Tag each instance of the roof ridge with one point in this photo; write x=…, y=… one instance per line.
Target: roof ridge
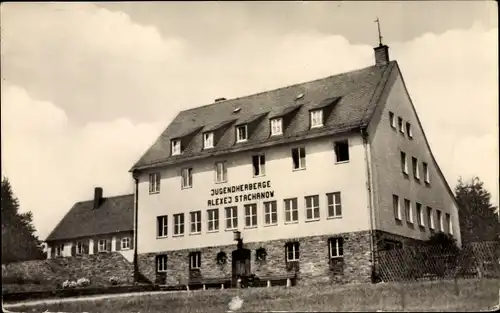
x=112, y=197
x=280, y=88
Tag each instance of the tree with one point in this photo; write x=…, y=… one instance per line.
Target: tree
x=19, y=242
x=478, y=217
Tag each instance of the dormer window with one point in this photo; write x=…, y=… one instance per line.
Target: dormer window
x=208, y=140
x=241, y=133
x=176, y=147
x=316, y=118
x=276, y=126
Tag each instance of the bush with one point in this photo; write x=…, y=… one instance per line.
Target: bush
x=113, y=281
x=83, y=282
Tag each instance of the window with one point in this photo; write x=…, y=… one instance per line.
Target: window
x=232, y=217
x=79, y=248
x=416, y=173
x=400, y=125
x=336, y=247
x=208, y=140
x=449, y=224
x=162, y=226
x=241, y=133
x=270, y=213
x=194, y=260
x=125, y=243
x=334, y=204
x=187, y=177
x=195, y=222
x=388, y=244
x=440, y=220
x=276, y=126
x=408, y=211
x=154, y=182
x=291, y=210
x=430, y=218
x=404, y=164
x=299, y=158
x=176, y=147
x=420, y=215
x=312, y=207
x=251, y=215
x=292, y=251
x=213, y=219
x=259, y=165
x=342, y=151
x=161, y=263
x=408, y=130
x=396, y=207
x=316, y=118
x=59, y=250
x=220, y=172
x=392, y=120
x=102, y=245
x=427, y=178
x=179, y=224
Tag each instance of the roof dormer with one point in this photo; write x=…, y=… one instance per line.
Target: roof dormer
x=320, y=112
x=214, y=132
x=246, y=126
x=280, y=120
x=180, y=143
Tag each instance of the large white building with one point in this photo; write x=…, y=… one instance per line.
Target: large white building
x=316, y=176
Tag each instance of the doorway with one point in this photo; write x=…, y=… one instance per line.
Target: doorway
x=240, y=264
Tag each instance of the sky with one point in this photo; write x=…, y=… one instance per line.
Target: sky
x=86, y=88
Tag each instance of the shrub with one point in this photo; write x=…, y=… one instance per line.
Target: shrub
x=83, y=282
x=113, y=280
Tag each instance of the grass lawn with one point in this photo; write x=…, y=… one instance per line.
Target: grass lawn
x=423, y=296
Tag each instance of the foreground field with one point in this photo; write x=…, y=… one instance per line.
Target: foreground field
x=426, y=296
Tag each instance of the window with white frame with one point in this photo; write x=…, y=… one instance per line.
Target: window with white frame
x=162, y=226
x=59, y=250
x=404, y=163
x=179, y=224
x=195, y=222
x=259, y=165
x=440, y=219
x=241, y=133
x=408, y=211
x=299, y=158
x=400, y=125
x=336, y=247
x=334, y=204
x=187, y=177
x=408, y=130
x=220, y=172
x=231, y=217
x=341, y=148
x=161, y=263
x=213, y=219
x=312, y=207
x=195, y=260
x=416, y=173
x=80, y=247
x=291, y=210
x=449, y=224
x=176, y=147
x=420, y=214
x=427, y=178
x=251, y=215
x=316, y=118
x=396, y=207
x=125, y=243
x=208, y=140
x=392, y=120
x=276, y=126
x=154, y=182
x=102, y=245
x=430, y=218
x=270, y=213
x=292, y=251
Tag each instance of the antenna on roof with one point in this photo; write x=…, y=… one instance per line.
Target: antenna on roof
x=379, y=32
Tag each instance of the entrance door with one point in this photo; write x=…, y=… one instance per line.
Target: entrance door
x=240, y=264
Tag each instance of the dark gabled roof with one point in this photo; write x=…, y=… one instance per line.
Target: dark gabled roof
x=356, y=92
x=115, y=214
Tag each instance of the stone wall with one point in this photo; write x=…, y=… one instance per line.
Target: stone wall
x=314, y=266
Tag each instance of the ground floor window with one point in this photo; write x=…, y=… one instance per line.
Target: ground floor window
x=59, y=250
x=161, y=263
x=389, y=244
x=80, y=248
x=194, y=260
x=102, y=245
x=336, y=247
x=292, y=251
x=125, y=243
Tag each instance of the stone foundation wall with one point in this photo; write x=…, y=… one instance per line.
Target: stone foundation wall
x=315, y=265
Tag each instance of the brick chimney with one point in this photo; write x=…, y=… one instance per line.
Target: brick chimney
x=381, y=55
x=97, y=197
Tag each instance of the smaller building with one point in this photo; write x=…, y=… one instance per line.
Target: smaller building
x=101, y=225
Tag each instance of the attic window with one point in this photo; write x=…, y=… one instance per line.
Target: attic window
x=241, y=133
x=236, y=110
x=300, y=96
x=208, y=140
x=276, y=126
x=176, y=147
x=316, y=118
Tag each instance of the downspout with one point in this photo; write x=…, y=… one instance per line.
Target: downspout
x=136, y=214
x=364, y=135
